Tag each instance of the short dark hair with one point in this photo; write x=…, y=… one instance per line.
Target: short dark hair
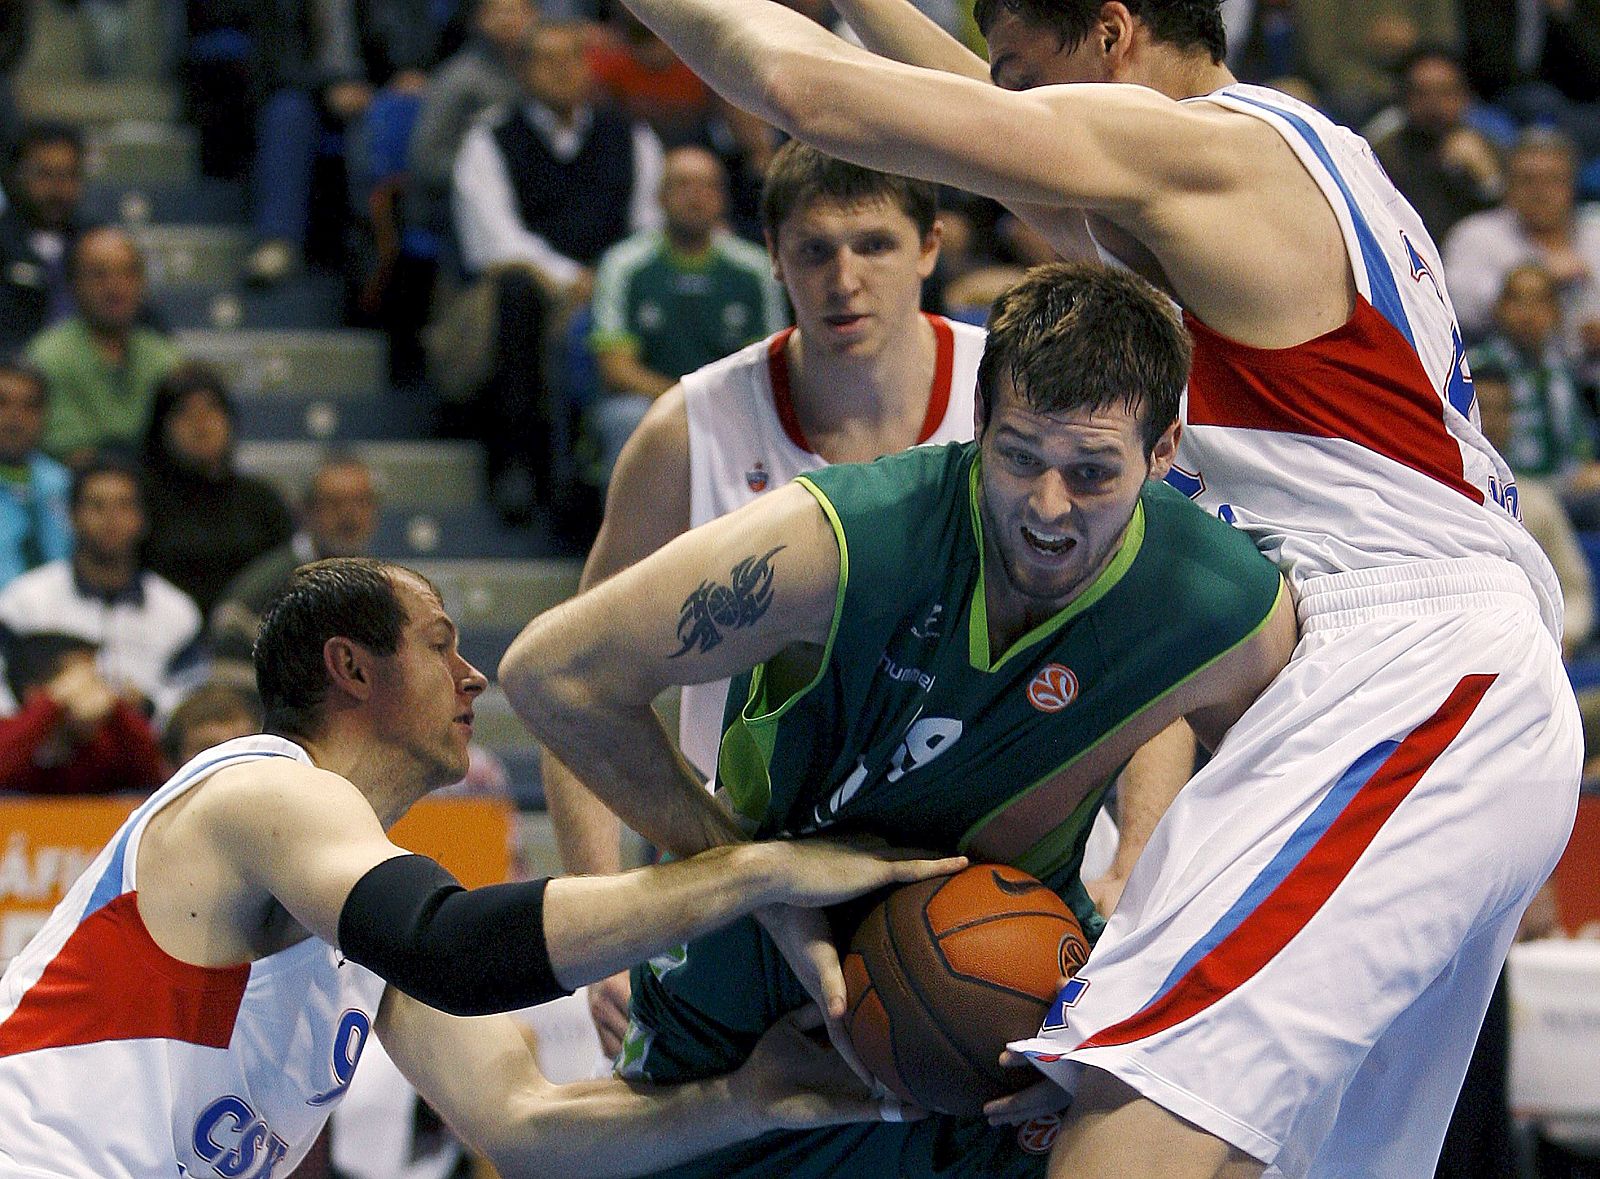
x=172, y=390
x=1186, y=24
x=43, y=133
x=105, y=463
x=1078, y=335
x=211, y=702
x=37, y=658
x=800, y=174
x=341, y=597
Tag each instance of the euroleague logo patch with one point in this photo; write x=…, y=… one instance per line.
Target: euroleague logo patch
x=756, y=478
x=1053, y=688
x=1039, y=1135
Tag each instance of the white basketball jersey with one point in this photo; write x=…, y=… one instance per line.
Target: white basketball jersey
x=1358, y=449
x=745, y=438
x=117, y=1061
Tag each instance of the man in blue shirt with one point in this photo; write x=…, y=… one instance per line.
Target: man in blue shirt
x=34, y=524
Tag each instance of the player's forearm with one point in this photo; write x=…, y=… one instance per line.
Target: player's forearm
x=595, y=926
x=1149, y=783
x=898, y=29
x=482, y=1077
x=615, y=745
x=588, y=835
x=602, y=1129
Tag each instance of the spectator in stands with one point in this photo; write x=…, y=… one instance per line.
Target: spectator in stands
x=540, y=190
x=1263, y=39
x=552, y=181
x=341, y=54
x=668, y=301
x=207, y=520
x=147, y=630
x=1446, y=168
x=44, y=185
x=35, y=525
x=101, y=363
x=1353, y=49
x=485, y=73
x=75, y=733
x=1540, y=221
x=1538, y=58
x=211, y=714
x=644, y=79
x=1548, y=433
x=338, y=519
x=1504, y=424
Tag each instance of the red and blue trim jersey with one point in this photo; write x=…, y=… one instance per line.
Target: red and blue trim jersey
x=1358, y=449
x=118, y=1060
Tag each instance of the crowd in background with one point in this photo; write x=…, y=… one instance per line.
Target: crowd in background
x=553, y=220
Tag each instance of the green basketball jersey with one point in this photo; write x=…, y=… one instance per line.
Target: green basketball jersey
x=915, y=729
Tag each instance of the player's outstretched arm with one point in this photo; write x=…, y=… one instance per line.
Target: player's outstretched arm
x=1122, y=149
x=596, y=925
x=714, y=602
x=900, y=30
x=481, y=1076
x=647, y=505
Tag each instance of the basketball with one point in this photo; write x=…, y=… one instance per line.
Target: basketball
x=943, y=973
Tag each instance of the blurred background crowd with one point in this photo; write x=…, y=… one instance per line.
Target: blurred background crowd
x=283, y=279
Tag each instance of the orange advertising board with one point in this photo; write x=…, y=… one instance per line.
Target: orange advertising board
x=46, y=843
x=1577, y=898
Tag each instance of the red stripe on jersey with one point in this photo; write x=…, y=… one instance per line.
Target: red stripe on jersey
x=944, y=365
x=110, y=981
x=1285, y=910
x=1361, y=382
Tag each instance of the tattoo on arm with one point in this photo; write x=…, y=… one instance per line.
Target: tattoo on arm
x=714, y=607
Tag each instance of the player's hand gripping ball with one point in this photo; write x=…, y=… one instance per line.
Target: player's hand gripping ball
x=945, y=972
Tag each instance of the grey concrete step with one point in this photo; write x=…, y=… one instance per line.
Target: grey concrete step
x=310, y=302
x=206, y=201
x=192, y=255
x=341, y=363
x=148, y=153
x=410, y=475
x=500, y=594
x=291, y=417
x=90, y=102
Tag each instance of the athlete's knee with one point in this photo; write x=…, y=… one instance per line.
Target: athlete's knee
x=1114, y=1132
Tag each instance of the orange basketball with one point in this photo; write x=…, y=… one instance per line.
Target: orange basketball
x=944, y=973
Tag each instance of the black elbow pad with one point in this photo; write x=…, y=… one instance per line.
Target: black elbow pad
x=463, y=951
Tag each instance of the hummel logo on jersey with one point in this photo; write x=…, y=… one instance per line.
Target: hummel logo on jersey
x=756, y=478
x=1053, y=688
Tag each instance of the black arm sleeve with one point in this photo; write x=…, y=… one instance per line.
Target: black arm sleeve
x=464, y=952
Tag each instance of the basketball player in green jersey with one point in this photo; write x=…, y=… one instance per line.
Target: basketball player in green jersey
x=956, y=646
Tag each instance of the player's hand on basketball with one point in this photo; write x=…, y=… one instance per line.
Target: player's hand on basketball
x=806, y=943
x=816, y=872
x=1035, y=1101
x=794, y=1080
x=608, y=1004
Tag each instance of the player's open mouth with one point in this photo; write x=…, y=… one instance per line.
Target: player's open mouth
x=844, y=321
x=1053, y=546
x=465, y=719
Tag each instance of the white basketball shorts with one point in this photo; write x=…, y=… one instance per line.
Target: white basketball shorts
x=1303, y=955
